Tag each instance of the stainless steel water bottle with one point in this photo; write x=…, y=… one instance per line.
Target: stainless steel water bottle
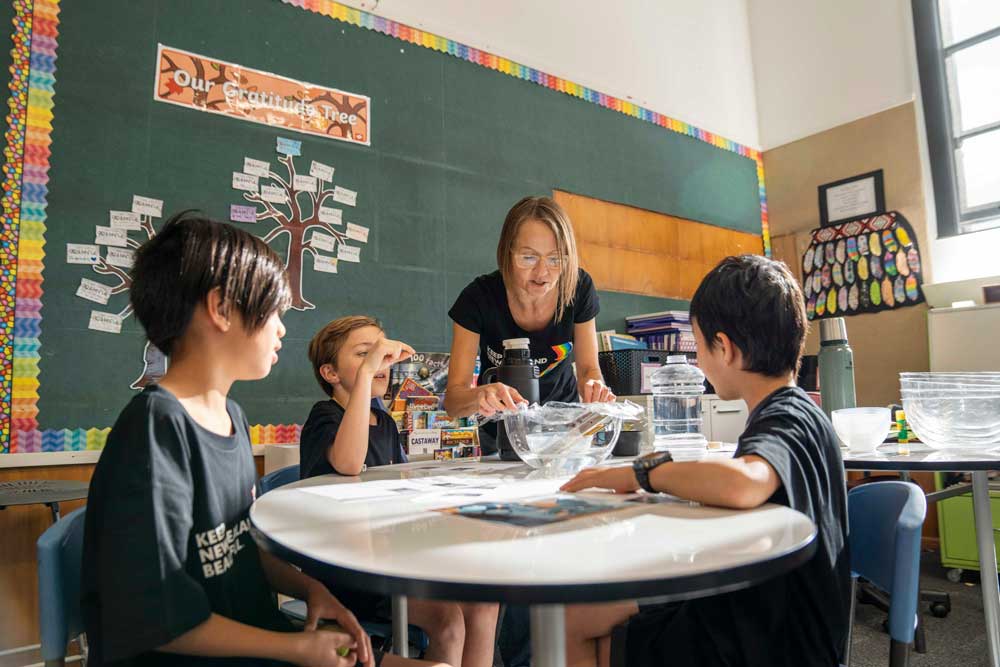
x=836, y=366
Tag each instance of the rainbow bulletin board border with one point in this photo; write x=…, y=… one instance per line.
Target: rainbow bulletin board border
x=25, y=175
x=25, y=178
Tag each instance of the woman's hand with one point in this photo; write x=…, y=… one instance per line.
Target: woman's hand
x=595, y=391
x=497, y=397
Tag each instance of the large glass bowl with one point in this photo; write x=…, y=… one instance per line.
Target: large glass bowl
x=957, y=411
x=562, y=438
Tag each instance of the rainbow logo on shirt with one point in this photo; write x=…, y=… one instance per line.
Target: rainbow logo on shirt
x=561, y=351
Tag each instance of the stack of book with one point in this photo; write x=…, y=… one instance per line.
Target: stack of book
x=426, y=430
x=608, y=341
x=669, y=330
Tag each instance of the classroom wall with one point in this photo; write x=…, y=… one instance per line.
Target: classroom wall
x=454, y=145
x=891, y=341
x=819, y=65
x=688, y=60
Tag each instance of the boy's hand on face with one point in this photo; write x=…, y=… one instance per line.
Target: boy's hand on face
x=325, y=648
x=620, y=479
x=384, y=354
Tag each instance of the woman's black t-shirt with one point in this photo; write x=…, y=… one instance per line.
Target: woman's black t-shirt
x=483, y=309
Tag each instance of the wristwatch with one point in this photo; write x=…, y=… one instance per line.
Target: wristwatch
x=644, y=465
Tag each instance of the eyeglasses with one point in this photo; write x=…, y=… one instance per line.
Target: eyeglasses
x=529, y=260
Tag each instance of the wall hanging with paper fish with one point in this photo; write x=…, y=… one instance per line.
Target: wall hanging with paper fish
x=862, y=266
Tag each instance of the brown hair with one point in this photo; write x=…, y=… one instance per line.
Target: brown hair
x=757, y=303
x=192, y=255
x=325, y=345
x=547, y=211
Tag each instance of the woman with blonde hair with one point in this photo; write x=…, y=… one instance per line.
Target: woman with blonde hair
x=539, y=292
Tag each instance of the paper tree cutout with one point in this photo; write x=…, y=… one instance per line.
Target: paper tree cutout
x=119, y=270
x=296, y=216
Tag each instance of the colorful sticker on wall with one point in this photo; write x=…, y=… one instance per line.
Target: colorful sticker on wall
x=215, y=86
x=862, y=266
x=299, y=205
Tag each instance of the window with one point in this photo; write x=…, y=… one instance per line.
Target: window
x=958, y=55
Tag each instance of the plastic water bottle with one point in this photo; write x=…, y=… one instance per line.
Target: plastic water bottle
x=677, y=390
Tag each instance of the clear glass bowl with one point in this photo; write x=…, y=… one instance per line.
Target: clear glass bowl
x=562, y=438
x=957, y=417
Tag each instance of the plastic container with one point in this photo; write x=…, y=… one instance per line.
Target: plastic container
x=862, y=429
x=622, y=369
x=677, y=390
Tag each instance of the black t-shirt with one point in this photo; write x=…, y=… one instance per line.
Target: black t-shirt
x=167, y=535
x=320, y=430
x=796, y=619
x=483, y=309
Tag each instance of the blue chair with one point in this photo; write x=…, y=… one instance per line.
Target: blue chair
x=60, y=560
x=279, y=477
x=885, y=521
x=296, y=609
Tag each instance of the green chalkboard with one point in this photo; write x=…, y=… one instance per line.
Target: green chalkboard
x=453, y=146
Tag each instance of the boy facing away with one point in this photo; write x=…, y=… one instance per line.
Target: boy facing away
x=171, y=575
x=749, y=324
x=345, y=433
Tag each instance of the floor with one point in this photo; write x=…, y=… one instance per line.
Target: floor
x=959, y=639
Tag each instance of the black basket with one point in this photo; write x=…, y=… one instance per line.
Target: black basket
x=622, y=369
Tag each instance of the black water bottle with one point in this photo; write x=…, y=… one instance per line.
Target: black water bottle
x=517, y=370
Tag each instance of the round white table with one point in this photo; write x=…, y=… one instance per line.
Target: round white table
x=382, y=534
x=923, y=458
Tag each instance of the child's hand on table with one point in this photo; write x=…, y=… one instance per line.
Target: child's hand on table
x=620, y=479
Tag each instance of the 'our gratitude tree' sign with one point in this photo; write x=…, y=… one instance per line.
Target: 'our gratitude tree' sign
x=203, y=83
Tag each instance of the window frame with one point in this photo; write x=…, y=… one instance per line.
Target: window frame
x=943, y=136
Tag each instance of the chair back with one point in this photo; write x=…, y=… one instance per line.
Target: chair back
x=279, y=477
x=885, y=521
x=60, y=560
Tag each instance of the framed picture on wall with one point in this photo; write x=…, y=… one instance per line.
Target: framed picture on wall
x=851, y=199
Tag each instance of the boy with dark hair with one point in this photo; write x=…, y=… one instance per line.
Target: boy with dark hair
x=171, y=575
x=345, y=433
x=750, y=325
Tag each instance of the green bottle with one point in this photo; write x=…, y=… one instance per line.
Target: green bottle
x=836, y=366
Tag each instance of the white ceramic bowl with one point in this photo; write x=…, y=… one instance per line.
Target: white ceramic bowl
x=862, y=429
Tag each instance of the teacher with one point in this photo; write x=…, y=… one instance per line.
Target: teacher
x=539, y=293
